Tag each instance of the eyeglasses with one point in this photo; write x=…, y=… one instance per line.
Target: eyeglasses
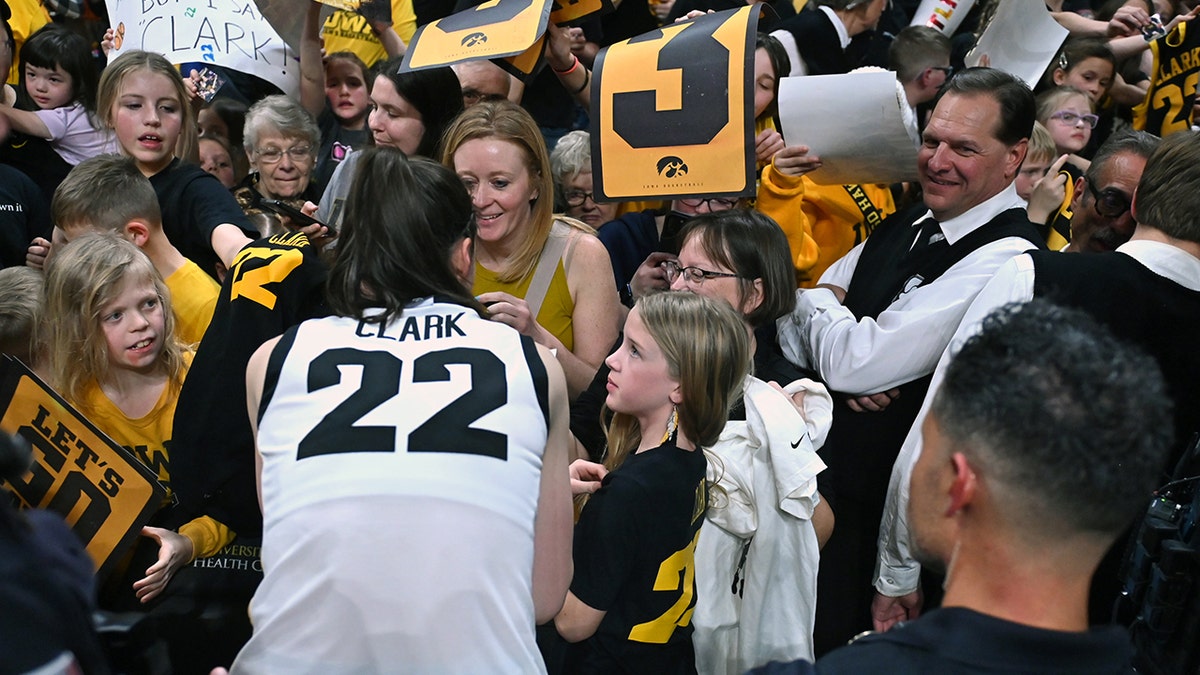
x=577, y=197
x=272, y=155
x=693, y=275
x=948, y=70
x=472, y=96
x=714, y=203
x=1109, y=202
x=1071, y=119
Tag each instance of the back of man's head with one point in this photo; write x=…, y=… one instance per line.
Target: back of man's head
x=1167, y=198
x=1068, y=446
x=916, y=48
x=105, y=193
x=1018, y=111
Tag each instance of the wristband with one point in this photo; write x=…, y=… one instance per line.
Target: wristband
x=568, y=71
x=587, y=78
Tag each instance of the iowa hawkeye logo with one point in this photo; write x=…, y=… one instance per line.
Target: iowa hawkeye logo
x=474, y=39
x=672, y=167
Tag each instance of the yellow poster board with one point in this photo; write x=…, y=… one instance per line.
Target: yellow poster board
x=509, y=32
x=672, y=111
x=103, y=492
x=526, y=64
x=575, y=12
x=494, y=29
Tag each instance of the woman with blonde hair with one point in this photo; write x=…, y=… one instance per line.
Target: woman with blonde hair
x=547, y=276
x=680, y=368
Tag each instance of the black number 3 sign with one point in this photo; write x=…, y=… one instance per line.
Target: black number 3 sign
x=673, y=110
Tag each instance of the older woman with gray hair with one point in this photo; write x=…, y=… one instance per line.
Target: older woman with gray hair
x=281, y=141
x=571, y=163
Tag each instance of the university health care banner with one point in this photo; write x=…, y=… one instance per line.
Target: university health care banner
x=673, y=111
x=228, y=33
x=104, y=493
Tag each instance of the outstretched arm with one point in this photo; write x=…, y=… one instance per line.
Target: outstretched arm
x=26, y=122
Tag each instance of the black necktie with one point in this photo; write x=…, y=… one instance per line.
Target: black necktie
x=929, y=238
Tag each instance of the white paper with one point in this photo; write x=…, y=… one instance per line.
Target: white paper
x=853, y=122
x=229, y=33
x=1021, y=40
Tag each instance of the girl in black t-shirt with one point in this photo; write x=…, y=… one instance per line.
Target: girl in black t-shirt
x=678, y=370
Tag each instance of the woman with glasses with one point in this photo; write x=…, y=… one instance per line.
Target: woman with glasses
x=548, y=278
x=631, y=237
x=572, y=165
x=281, y=141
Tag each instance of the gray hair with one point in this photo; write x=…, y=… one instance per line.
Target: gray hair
x=572, y=155
x=283, y=115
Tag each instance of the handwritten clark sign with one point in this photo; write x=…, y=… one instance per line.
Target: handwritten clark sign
x=228, y=33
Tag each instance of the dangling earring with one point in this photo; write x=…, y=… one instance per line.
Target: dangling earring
x=672, y=425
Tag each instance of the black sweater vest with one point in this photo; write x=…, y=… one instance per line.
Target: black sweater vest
x=1151, y=311
x=862, y=447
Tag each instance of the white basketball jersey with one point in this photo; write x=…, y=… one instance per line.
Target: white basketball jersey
x=400, y=478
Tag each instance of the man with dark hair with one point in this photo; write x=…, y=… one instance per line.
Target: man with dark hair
x=882, y=315
x=1100, y=206
x=1020, y=513
x=1147, y=292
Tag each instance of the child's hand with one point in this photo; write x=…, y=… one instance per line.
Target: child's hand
x=1048, y=193
x=766, y=144
x=108, y=43
x=37, y=254
x=174, y=551
x=192, y=84
x=794, y=161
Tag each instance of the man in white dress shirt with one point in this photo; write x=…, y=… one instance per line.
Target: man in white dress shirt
x=876, y=325
x=1147, y=291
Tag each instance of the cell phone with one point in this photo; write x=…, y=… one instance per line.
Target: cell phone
x=297, y=216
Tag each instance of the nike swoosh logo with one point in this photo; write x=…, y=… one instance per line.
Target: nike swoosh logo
x=797, y=443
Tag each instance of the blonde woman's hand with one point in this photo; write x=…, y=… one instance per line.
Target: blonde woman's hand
x=513, y=311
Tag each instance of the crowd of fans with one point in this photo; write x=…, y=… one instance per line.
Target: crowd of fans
x=374, y=338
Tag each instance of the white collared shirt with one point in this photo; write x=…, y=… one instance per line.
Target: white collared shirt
x=905, y=341
x=897, y=572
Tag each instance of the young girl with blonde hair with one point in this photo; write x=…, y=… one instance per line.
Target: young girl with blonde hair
x=680, y=367
x=112, y=353
x=143, y=99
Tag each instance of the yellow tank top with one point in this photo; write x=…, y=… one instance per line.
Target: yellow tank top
x=557, y=309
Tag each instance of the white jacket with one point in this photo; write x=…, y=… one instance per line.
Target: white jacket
x=767, y=467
